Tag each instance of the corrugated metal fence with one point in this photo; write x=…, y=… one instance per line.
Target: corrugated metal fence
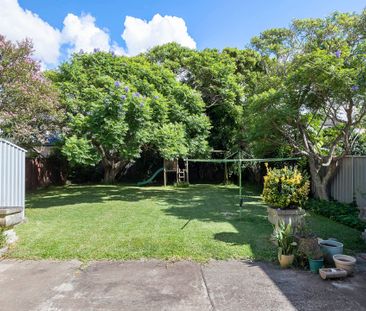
x=349, y=183
x=12, y=175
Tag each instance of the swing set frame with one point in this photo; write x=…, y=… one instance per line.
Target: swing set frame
x=239, y=160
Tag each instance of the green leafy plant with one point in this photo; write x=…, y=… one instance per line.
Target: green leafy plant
x=285, y=238
x=285, y=188
x=346, y=214
x=2, y=237
x=315, y=252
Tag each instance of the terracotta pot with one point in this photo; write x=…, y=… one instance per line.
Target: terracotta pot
x=286, y=260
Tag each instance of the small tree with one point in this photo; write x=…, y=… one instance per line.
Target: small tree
x=117, y=105
x=29, y=110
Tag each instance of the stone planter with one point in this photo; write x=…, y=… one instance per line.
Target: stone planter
x=10, y=216
x=295, y=216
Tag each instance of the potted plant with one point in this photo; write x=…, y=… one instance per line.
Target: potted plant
x=316, y=260
x=286, y=244
x=285, y=191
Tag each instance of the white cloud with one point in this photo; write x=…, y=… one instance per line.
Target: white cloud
x=141, y=35
x=81, y=33
x=17, y=24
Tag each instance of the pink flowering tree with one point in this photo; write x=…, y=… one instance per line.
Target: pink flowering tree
x=29, y=113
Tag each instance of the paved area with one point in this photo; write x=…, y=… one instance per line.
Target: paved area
x=183, y=285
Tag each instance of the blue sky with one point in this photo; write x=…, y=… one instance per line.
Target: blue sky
x=211, y=23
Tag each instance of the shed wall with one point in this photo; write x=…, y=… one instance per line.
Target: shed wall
x=12, y=175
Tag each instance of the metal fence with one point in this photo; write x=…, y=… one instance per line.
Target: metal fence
x=349, y=183
x=12, y=175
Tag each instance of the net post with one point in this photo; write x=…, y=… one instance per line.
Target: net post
x=240, y=190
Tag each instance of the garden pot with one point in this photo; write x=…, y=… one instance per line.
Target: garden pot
x=329, y=249
x=316, y=264
x=345, y=262
x=295, y=216
x=286, y=260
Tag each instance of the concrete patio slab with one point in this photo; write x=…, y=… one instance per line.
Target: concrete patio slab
x=25, y=285
x=149, y=285
x=263, y=286
x=183, y=285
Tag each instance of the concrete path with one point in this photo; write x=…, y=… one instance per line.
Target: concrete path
x=184, y=285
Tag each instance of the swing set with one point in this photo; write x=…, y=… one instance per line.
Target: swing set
x=240, y=162
x=182, y=173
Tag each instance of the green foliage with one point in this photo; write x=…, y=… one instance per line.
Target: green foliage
x=2, y=237
x=172, y=141
x=285, y=187
x=223, y=79
x=118, y=105
x=79, y=151
x=285, y=239
x=29, y=109
x=311, y=101
x=346, y=214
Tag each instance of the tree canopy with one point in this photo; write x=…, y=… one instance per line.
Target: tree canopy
x=29, y=109
x=118, y=105
x=224, y=78
x=313, y=94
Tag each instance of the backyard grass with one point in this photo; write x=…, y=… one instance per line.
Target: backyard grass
x=127, y=222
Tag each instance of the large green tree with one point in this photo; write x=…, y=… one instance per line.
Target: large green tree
x=118, y=105
x=312, y=98
x=224, y=78
x=29, y=110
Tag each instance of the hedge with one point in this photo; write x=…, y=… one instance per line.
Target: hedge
x=346, y=214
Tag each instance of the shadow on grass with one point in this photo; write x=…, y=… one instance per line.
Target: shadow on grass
x=204, y=203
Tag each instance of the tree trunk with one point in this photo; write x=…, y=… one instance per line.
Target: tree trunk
x=226, y=175
x=320, y=187
x=111, y=170
x=321, y=179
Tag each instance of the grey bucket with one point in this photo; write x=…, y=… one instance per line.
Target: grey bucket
x=330, y=248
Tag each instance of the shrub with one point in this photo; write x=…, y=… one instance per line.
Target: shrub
x=285, y=188
x=346, y=214
x=2, y=237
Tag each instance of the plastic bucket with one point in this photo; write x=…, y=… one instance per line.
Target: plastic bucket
x=329, y=249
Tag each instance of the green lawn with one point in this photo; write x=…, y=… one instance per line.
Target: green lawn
x=127, y=222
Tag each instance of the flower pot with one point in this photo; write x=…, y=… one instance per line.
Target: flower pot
x=345, y=262
x=295, y=216
x=286, y=260
x=329, y=249
x=316, y=264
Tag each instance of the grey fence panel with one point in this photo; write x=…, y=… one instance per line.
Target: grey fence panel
x=360, y=180
x=12, y=175
x=349, y=183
